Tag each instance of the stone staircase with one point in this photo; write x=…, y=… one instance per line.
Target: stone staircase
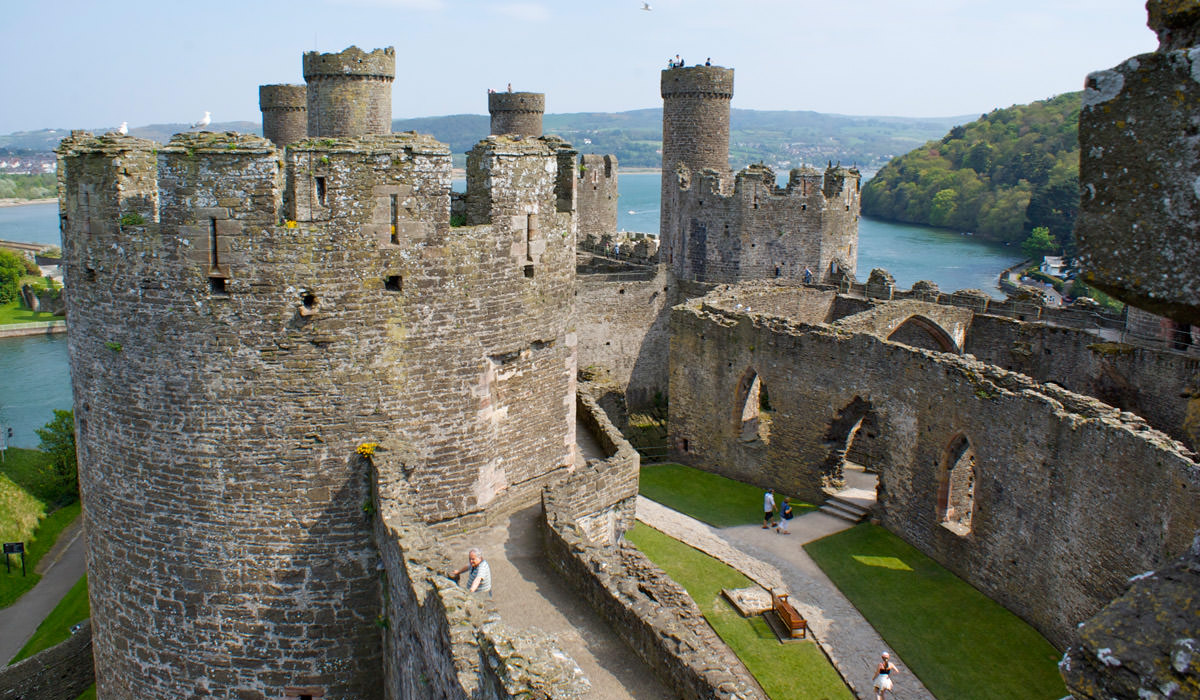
x=843, y=508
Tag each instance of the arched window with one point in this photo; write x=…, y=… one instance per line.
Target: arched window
x=753, y=408
x=956, y=490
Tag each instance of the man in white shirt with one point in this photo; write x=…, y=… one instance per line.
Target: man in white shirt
x=479, y=574
x=768, y=509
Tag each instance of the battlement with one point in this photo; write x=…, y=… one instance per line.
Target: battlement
x=747, y=227
x=351, y=63
x=713, y=82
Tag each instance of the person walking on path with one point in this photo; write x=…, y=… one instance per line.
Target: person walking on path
x=768, y=509
x=785, y=516
x=883, y=676
x=479, y=574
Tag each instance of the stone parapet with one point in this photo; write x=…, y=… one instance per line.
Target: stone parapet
x=62, y=672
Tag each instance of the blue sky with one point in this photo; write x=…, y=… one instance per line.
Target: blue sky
x=76, y=64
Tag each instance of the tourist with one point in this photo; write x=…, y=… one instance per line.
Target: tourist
x=785, y=516
x=807, y=275
x=768, y=509
x=708, y=61
x=479, y=574
x=883, y=676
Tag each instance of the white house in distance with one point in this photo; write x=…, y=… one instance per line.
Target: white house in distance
x=1052, y=265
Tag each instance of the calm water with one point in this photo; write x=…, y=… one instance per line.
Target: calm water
x=34, y=378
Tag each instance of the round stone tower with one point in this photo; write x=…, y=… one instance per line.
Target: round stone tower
x=349, y=93
x=517, y=113
x=284, y=113
x=695, y=128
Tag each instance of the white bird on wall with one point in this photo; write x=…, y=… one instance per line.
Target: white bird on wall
x=646, y=7
x=123, y=129
x=205, y=121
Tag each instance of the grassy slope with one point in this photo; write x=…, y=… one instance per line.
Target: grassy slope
x=959, y=642
x=13, y=313
x=705, y=496
x=72, y=609
x=27, y=489
x=797, y=670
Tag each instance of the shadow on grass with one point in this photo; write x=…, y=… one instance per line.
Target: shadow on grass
x=707, y=497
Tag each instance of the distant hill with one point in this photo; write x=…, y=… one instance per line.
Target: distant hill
x=780, y=139
x=1001, y=175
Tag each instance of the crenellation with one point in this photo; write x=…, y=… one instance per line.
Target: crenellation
x=350, y=92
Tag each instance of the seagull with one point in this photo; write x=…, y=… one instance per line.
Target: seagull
x=646, y=7
x=123, y=129
x=205, y=121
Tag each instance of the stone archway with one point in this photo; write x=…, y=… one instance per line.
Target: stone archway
x=920, y=332
x=853, y=431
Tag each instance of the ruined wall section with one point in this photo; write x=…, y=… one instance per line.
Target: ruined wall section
x=284, y=113
x=760, y=231
x=350, y=92
x=695, y=135
x=516, y=113
x=597, y=193
x=1071, y=496
x=623, y=326
x=1144, y=381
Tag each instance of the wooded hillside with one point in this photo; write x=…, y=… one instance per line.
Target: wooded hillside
x=1001, y=176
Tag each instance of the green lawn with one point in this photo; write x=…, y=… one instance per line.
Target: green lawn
x=959, y=642
x=705, y=496
x=73, y=608
x=795, y=670
x=13, y=313
x=28, y=490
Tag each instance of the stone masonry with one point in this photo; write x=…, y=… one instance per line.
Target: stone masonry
x=349, y=93
x=597, y=204
x=1055, y=530
x=516, y=113
x=279, y=311
x=284, y=113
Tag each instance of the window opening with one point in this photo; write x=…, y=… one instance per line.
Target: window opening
x=395, y=219
x=320, y=186
x=394, y=283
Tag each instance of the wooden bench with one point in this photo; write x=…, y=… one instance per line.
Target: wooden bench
x=787, y=615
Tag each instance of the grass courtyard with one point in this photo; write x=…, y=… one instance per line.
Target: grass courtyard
x=707, y=497
x=797, y=670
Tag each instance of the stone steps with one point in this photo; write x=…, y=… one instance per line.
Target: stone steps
x=841, y=508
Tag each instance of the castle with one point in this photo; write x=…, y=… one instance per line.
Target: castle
x=299, y=360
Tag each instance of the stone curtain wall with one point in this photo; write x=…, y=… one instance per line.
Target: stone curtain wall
x=254, y=357
x=62, y=672
x=585, y=517
x=623, y=328
x=1071, y=496
x=597, y=192
x=1141, y=380
x=439, y=640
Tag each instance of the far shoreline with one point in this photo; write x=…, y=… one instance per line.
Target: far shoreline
x=24, y=202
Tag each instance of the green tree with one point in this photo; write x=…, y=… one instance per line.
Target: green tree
x=1039, y=243
x=942, y=211
x=12, y=269
x=58, y=440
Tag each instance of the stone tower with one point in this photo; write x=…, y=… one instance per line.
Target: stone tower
x=597, y=203
x=349, y=93
x=245, y=323
x=695, y=130
x=284, y=113
x=518, y=113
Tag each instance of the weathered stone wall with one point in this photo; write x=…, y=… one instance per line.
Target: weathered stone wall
x=349, y=93
x=623, y=327
x=516, y=113
x=1150, y=383
x=1071, y=496
x=760, y=231
x=252, y=358
x=1145, y=644
x=439, y=640
x=62, y=672
x=1139, y=234
x=597, y=192
x=695, y=134
x=284, y=113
